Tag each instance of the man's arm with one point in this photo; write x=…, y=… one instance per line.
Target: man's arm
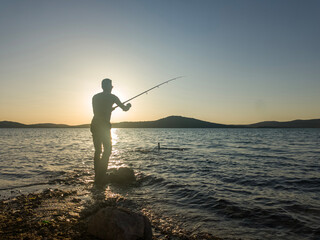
x=120, y=104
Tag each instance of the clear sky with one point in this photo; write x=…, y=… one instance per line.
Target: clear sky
x=245, y=61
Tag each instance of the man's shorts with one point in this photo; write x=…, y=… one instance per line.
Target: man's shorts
x=101, y=132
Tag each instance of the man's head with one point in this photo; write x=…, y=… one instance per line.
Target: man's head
x=106, y=85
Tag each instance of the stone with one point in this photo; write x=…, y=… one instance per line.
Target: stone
x=119, y=224
x=122, y=175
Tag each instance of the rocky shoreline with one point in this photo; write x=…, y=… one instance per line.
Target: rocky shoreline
x=65, y=214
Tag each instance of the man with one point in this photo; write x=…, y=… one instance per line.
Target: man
x=100, y=126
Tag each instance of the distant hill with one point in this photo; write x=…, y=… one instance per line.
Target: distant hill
x=313, y=123
x=8, y=124
x=48, y=125
x=170, y=122
x=175, y=122
x=82, y=126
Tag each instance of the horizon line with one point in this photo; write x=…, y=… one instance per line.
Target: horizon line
x=243, y=124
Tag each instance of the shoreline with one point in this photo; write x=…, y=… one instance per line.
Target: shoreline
x=63, y=213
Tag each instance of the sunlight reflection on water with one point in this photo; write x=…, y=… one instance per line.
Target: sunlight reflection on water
x=114, y=136
x=115, y=161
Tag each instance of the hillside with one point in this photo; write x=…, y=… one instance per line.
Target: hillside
x=313, y=123
x=170, y=122
x=8, y=124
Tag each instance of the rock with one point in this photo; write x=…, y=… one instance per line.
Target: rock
x=123, y=175
x=119, y=224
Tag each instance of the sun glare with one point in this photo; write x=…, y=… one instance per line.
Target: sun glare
x=114, y=136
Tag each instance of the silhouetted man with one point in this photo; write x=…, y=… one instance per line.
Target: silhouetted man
x=100, y=126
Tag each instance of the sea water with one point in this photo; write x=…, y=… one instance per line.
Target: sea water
x=232, y=183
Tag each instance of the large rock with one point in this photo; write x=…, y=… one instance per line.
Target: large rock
x=119, y=224
x=123, y=175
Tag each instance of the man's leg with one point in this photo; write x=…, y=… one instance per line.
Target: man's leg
x=97, y=153
x=107, y=148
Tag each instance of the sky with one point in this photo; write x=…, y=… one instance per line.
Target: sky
x=243, y=61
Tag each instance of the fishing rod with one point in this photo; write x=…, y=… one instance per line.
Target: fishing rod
x=145, y=92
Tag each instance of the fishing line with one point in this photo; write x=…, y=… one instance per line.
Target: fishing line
x=145, y=92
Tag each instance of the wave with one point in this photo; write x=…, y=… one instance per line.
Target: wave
x=187, y=196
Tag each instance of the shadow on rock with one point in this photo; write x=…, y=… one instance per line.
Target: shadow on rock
x=119, y=224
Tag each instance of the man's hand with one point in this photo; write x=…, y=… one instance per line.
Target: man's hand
x=128, y=106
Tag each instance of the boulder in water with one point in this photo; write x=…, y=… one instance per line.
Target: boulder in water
x=122, y=175
x=119, y=224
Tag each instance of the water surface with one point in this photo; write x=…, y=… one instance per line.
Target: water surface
x=248, y=183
